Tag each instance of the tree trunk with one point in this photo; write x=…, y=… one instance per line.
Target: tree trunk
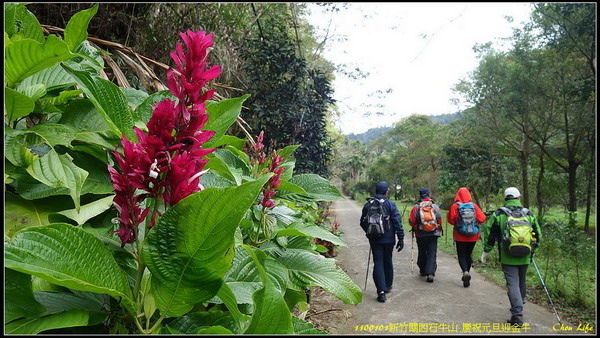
x=525, y=177
x=573, y=192
x=588, y=202
x=538, y=189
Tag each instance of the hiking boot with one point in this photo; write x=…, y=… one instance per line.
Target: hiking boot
x=516, y=321
x=381, y=297
x=466, y=279
x=430, y=279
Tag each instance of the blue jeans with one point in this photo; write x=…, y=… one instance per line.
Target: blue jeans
x=383, y=266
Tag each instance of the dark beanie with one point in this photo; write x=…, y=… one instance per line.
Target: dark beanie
x=381, y=188
x=423, y=192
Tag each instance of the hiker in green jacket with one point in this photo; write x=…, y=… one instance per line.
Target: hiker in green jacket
x=518, y=233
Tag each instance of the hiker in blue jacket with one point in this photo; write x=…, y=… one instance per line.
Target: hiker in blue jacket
x=383, y=247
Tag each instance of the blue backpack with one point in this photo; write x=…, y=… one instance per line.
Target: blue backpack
x=467, y=220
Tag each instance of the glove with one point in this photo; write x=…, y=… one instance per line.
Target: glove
x=400, y=244
x=484, y=257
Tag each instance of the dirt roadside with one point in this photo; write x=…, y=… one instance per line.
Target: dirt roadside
x=415, y=306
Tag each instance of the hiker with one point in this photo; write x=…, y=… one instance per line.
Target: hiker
x=426, y=222
x=465, y=216
x=382, y=247
x=518, y=234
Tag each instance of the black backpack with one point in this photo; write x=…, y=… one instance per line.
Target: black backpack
x=375, y=219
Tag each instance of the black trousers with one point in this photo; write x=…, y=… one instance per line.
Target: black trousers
x=383, y=266
x=464, y=250
x=427, y=258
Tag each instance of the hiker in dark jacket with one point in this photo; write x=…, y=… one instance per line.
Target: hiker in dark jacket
x=426, y=238
x=465, y=243
x=382, y=248
x=515, y=268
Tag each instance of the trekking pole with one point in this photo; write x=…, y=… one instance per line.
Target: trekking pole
x=544, y=285
x=412, y=253
x=368, y=264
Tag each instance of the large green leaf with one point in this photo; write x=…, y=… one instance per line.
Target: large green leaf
x=9, y=18
x=308, y=269
x=227, y=296
x=53, y=133
x=271, y=313
x=194, y=322
x=244, y=273
x=27, y=57
x=77, y=27
x=52, y=77
x=16, y=104
x=20, y=213
x=305, y=328
x=70, y=318
x=317, y=188
x=68, y=256
x=58, y=171
x=18, y=296
x=29, y=24
x=311, y=230
x=87, y=211
x=108, y=99
x=191, y=248
x=222, y=115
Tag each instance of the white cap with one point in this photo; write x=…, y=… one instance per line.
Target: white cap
x=512, y=191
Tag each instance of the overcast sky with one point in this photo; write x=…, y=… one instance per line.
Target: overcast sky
x=416, y=51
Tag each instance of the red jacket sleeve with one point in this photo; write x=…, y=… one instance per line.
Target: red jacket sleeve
x=481, y=217
x=412, y=219
x=453, y=214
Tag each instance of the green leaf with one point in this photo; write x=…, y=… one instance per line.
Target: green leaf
x=228, y=297
x=34, y=92
x=222, y=115
x=30, y=26
x=20, y=213
x=17, y=104
x=53, y=77
x=9, y=18
x=18, y=296
x=58, y=171
x=271, y=313
x=87, y=211
x=134, y=96
x=310, y=230
x=144, y=110
x=77, y=27
x=53, y=133
x=190, y=249
x=108, y=99
x=68, y=256
x=193, y=323
x=317, y=188
x=308, y=269
x=306, y=328
x=56, y=302
x=57, y=321
x=27, y=57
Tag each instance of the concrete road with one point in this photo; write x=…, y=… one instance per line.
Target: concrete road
x=415, y=306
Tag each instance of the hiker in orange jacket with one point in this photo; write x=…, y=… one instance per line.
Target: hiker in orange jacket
x=427, y=231
x=464, y=236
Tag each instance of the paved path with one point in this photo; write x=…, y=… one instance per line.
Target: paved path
x=415, y=306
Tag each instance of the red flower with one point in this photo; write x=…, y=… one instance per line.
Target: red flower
x=167, y=161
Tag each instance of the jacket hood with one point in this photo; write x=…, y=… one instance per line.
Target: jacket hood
x=463, y=195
